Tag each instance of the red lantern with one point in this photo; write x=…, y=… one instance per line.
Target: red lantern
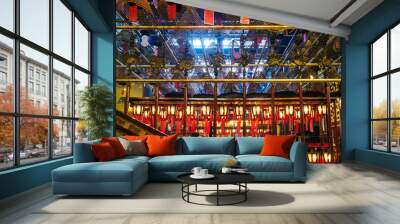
x=244, y=20
x=208, y=17
x=133, y=13
x=171, y=9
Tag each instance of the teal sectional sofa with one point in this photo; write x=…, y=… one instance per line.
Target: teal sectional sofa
x=125, y=176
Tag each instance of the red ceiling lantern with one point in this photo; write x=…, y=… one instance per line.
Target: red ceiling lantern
x=208, y=17
x=133, y=12
x=337, y=43
x=244, y=20
x=171, y=9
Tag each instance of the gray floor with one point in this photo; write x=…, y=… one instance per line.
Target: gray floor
x=377, y=188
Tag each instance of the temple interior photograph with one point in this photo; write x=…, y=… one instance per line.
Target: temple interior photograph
x=199, y=111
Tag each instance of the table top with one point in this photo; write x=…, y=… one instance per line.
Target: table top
x=220, y=178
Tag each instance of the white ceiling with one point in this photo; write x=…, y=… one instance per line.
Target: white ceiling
x=313, y=15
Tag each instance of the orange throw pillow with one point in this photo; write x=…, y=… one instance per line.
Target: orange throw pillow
x=116, y=145
x=134, y=138
x=103, y=152
x=277, y=145
x=161, y=145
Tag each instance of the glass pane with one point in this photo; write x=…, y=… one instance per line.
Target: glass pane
x=62, y=138
x=81, y=81
x=62, y=89
x=6, y=74
x=395, y=136
x=379, y=135
x=34, y=92
x=6, y=142
x=81, y=45
x=7, y=14
x=34, y=13
x=379, y=56
x=379, y=97
x=62, y=28
x=81, y=131
x=395, y=47
x=395, y=95
x=33, y=139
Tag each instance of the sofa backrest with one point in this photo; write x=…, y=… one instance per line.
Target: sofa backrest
x=83, y=152
x=206, y=145
x=249, y=145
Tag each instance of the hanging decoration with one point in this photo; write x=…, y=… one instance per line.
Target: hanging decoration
x=208, y=17
x=244, y=20
x=132, y=12
x=145, y=41
x=171, y=11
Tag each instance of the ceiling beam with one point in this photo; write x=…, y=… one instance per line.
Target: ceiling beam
x=269, y=15
x=347, y=11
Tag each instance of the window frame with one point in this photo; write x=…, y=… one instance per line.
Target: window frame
x=16, y=114
x=388, y=74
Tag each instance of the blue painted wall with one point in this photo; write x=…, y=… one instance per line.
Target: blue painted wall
x=103, y=53
x=99, y=16
x=24, y=178
x=356, y=85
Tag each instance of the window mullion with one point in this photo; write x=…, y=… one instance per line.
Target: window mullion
x=50, y=81
x=73, y=82
x=16, y=84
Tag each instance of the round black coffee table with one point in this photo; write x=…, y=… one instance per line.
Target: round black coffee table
x=238, y=179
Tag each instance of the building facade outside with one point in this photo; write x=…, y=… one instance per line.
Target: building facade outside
x=34, y=82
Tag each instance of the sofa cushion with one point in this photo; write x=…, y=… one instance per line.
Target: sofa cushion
x=185, y=163
x=207, y=145
x=133, y=157
x=257, y=163
x=112, y=171
x=161, y=145
x=135, y=147
x=83, y=152
x=277, y=145
x=103, y=152
x=116, y=145
x=249, y=145
x=133, y=137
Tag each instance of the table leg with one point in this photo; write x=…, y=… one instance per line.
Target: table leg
x=195, y=188
x=188, y=190
x=217, y=194
x=182, y=188
x=245, y=193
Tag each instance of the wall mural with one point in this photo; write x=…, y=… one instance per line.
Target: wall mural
x=195, y=72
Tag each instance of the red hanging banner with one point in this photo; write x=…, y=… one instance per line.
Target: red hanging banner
x=133, y=13
x=208, y=17
x=244, y=20
x=171, y=9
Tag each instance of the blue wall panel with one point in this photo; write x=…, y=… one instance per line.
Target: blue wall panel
x=24, y=178
x=356, y=85
x=103, y=53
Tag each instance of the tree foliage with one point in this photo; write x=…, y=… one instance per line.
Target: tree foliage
x=33, y=131
x=380, y=111
x=96, y=102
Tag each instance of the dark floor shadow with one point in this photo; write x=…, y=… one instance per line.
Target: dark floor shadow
x=148, y=191
x=256, y=198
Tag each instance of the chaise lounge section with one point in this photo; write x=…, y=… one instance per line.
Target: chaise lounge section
x=125, y=176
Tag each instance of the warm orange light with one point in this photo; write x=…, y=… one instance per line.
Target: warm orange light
x=327, y=157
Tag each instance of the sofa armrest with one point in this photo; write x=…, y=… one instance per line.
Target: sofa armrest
x=83, y=152
x=298, y=157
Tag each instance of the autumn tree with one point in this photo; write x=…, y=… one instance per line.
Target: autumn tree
x=33, y=131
